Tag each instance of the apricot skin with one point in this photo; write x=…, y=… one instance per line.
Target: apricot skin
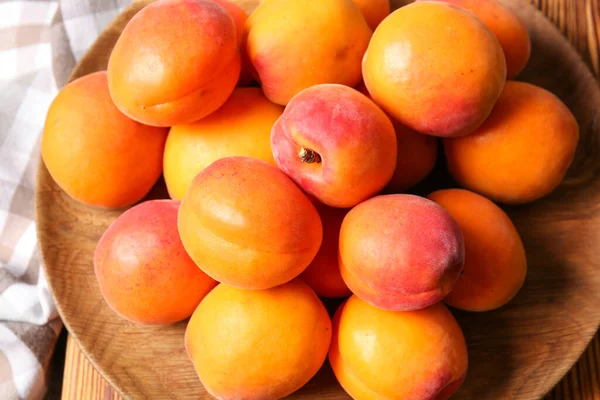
x=510, y=31
x=394, y=355
x=239, y=18
x=175, y=62
x=417, y=155
x=246, y=224
x=355, y=141
x=143, y=271
x=374, y=11
x=495, y=263
x=241, y=127
x=275, y=340
x=323, y=273
x=323, y=42
x=435, y=68
x=97, y=155
x=400, y=252
x=522, y=152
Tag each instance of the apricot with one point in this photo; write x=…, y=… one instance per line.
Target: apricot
x=241, y=127
x=239, y=18
x=495, y=263
x=400, y=252
x=323, y=273
x=363, y=89
x=510, y=31
x=387, y=355
x=96, y=154
x=436, y=68
x=293, y=45
x=336, y=144
x=248, y=225
x=417, y=154
x=175, y=62
x=374, y=11
x=522, y=152
x=238, y=15
x=258, y=344
x=143, y=271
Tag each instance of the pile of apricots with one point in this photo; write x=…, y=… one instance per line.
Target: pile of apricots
x=290, y=141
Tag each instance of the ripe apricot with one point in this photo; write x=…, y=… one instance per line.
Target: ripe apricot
x=374, y=11
x=522, y=152
x=495, y=263
x=248, y=225
x=97, y=155
x=400, y=252
x=510, y=31
x=241, y=127
x=336, y=144
x=297, y=44
x=378, y=354
x=175, y=62
x=238, y=15
x=143, y=271
x=258, y=344
x=417, y=154
x=239, y=18
x=363, y=89
x=434, y=67
x=323, y=273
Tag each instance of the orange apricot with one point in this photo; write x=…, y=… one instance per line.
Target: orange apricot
x=400, y=252
x=258, y=344
x=143, y=271
x=175, y=62
x=336, y=144
x=97, y=155
x=387, y=355
x=262, y=3
x=237, y=13
x=239, y=18
x=417, y=154
x=495, y=263
x=374, y=11
x=246, y=224
x=297, y=44
x=522, y=152
x=434, y=67
x=510, y=31
x=323, y=273
x=241, y=127
x=363, y=89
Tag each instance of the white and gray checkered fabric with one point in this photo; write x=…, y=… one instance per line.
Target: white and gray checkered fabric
x=40, y=42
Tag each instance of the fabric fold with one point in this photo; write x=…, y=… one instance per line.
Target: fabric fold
x=40, y=44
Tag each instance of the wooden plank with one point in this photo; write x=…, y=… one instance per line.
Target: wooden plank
x=81, y=380
x=579, y=21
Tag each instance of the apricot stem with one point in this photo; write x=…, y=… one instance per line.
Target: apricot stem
x=309, y=156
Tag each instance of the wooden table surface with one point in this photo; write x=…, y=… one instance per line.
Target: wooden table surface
x=579, y=21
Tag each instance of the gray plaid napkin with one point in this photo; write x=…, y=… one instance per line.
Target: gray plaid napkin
x=40, y=43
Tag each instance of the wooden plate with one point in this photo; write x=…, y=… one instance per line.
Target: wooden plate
x=519, y=351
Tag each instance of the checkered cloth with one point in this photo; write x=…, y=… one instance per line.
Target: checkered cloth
x=40, y=43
